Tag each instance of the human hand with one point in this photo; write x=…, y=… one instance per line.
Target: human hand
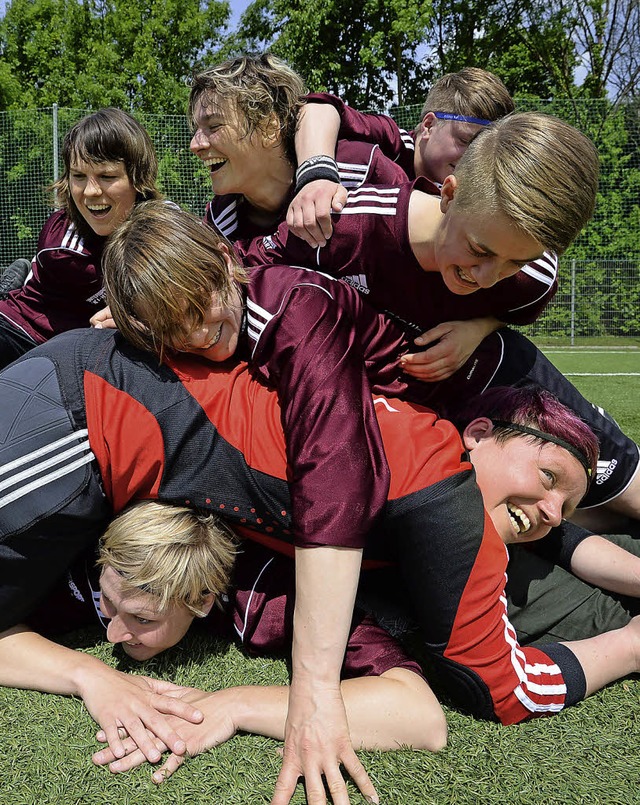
x=309, y=214
x=102, y=320
x=138, y=707
x=217, y=726
x=316, y=743
x=455, y=342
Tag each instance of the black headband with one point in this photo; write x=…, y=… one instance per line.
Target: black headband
x=548, y=437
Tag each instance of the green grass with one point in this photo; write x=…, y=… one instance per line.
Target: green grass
x=588, y=754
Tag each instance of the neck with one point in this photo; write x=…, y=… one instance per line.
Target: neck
x=273, y=187
x=425, y=220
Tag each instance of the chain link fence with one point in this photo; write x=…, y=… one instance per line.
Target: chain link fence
x=599, y=294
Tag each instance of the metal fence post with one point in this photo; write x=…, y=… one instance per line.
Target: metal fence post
x=55, y=142
x=573, y=301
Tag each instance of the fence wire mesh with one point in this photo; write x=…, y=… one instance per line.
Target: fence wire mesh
x=599, y=292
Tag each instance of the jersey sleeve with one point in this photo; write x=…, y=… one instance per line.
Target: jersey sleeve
x=337, y=471
x=52, y=506
x=395, y=143
x=530, y=290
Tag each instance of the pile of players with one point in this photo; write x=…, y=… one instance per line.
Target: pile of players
x=243, y=389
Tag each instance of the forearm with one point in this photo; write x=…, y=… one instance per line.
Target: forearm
x=30, y=661
x=317, y=133
x=384, y=712
x=606, y=565
x=326, y=583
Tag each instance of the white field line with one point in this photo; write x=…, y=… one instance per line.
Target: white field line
x=601, y=374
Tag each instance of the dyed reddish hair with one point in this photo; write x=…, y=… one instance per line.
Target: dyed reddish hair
x=536, y=408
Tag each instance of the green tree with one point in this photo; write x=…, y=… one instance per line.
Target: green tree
x=363, y=51
x=92, y=53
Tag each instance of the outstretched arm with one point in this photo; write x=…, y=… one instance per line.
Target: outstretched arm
x=316, y=733
x=114, y=699
x=386, y=712
x=604, y=564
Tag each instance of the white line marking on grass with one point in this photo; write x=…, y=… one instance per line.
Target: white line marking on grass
x=601, y=374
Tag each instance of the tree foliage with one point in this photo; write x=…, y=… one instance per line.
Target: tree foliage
x=362, y=51
x=135, y=54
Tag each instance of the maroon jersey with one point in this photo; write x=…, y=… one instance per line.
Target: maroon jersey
x=64, y=288
x=370, y=250
x=358, y=163
x=395, y=143
x=257, y=611
x=321, y=347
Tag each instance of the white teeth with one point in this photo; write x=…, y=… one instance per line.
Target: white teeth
x=98, y=207
x=465, y=277
x=519, y=519
x=214, y=161
x=214, y=340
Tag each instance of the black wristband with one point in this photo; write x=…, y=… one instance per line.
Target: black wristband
x=320, y=167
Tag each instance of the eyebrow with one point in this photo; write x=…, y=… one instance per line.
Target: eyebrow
x=139, y=613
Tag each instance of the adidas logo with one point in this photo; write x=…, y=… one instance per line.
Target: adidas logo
x=358, y=281
x=604, y=470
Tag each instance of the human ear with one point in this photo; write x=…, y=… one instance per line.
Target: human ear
x=447, y=192
x=208, y=601
x=427, y=123
x=477, y=430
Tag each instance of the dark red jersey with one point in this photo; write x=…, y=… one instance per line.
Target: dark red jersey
x=395, y=143
x=93, y=424
x=358, y=163
x=370, y=250
x=64, y=288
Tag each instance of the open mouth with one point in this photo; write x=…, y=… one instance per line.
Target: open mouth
x=465, y=278
x=519, y=520
x=99, y=210
x=215, y=163
x=214, y=340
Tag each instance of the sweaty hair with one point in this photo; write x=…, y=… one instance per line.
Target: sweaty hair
x=161, y=268
x=171, y=552
x=109, y=135
x=533, y=407
x=538, y=171
x=471, y=92
x=265, y=92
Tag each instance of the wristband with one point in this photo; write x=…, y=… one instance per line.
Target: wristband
x=320, y=167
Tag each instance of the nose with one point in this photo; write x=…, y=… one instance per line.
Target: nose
x=198, y=141
x=551, y=510
x=92, y=188
x=487, y=272
x=117, y=632
x=198, y=338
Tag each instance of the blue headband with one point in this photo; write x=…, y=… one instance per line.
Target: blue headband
x=462, y=118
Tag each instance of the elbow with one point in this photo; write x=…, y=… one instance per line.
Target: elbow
x=435, y=733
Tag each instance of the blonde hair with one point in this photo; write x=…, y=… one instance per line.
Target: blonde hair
x=171, y=552
x=161, y=269
x=537, y=170
x=108, y=135
x=472, y=92
x=262, y=89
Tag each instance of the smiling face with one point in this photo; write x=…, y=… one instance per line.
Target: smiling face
x=103, y=193
x=136, y=622
x=528, y=487
x=216, y=339
x=439, y=144
x=236, y=160
x=477, y=249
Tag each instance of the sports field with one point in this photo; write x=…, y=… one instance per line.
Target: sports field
x=608, y=376
x=589, y=754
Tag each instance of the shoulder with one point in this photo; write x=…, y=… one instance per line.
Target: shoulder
x=60, y=233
